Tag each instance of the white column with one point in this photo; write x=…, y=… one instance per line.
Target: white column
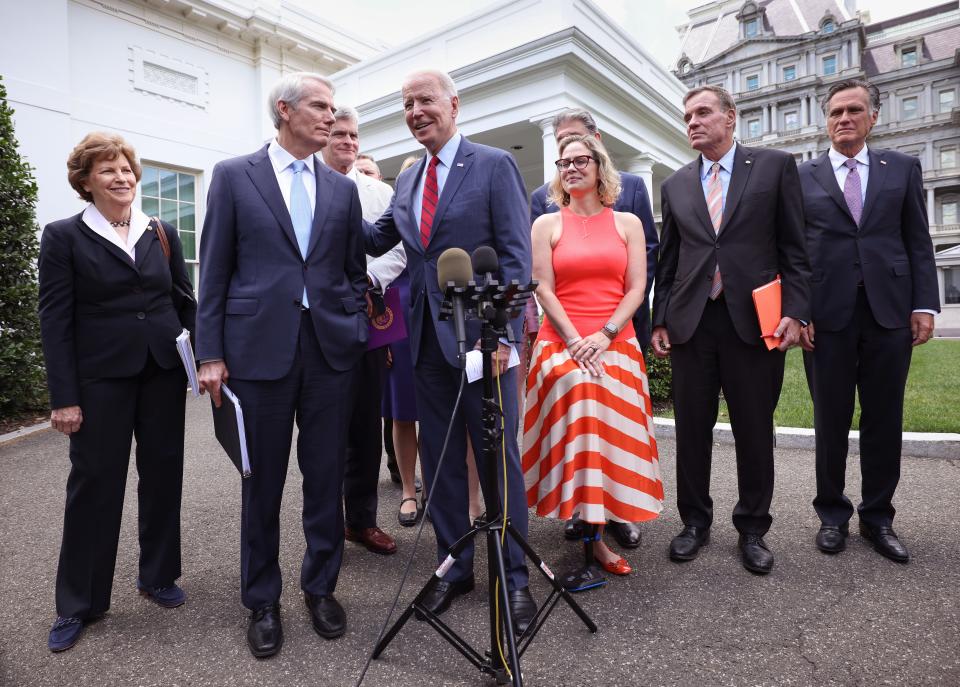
x=642, y=166
x=268, y=66
x=765, y=126
x=931, y=207
x=774, y=125
x=804, y=112
x=929, y=107
x=549, y=150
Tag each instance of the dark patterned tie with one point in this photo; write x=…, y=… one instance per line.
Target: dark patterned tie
x=431, y=195
x=852, y=192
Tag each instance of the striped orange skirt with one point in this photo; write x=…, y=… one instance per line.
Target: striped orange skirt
x=588, y=442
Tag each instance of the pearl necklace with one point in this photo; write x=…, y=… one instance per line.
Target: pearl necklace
x=122, y=223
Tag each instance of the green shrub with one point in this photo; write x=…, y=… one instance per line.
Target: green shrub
x=659, y=374
x=22, y=376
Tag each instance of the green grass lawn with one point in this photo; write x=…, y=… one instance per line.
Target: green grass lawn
x=932, y=403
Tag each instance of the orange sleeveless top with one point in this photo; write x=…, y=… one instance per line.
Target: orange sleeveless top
x=589, y=270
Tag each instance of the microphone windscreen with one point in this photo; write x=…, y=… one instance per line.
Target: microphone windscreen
x=485, y=260
x=454, y=266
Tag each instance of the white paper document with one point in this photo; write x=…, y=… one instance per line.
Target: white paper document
x=475, y=363
x=185, y=349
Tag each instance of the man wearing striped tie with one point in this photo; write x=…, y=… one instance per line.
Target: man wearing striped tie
x=874, y=297
x=732, y=221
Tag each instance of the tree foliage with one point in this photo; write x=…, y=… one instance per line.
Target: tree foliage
x=22, y=375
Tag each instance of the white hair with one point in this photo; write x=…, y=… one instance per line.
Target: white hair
x=347, y=112
x=290, y=90
x=446, y=83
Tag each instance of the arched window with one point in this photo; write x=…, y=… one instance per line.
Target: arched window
x=828, y=25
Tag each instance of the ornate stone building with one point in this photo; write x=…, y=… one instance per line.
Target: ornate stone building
x=779, y=57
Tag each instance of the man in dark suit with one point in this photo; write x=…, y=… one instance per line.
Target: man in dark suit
x=732, y=221
x=874, y=298
x=461, y=195
x=634, y=199
x=283, y=318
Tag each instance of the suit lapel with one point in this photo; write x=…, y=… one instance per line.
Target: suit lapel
x=265, y=180
x=145, y=244
x=695, y=192
x=742, y=166
x=416, y=175
x=878, y=172
x=324, y=184
x=460, y=168
x=824, y=175
x=111, y=247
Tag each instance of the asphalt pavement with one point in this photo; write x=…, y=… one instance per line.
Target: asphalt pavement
x=851, y=619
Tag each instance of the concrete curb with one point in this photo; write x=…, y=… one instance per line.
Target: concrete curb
x=24, y=432
x=921, y=444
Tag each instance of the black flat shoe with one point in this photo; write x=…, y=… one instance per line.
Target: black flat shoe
x=409, y=519
x=756, y=557
x=686, y=545
x=886, y=542
x=627, y=534
x=832, y=538
x=265, y=632
x=522, y=609
x=329, y=618
x=443, y=594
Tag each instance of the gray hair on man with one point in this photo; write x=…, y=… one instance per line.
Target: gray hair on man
x=347, y=112
x=578, y=115
x=290, y=90
x=723, y=95
x=446, y=83
x=872, y=91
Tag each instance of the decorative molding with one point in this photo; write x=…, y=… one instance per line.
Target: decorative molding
x=169, y=78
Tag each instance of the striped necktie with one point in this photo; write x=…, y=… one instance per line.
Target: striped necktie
x=431, y=195
x=715, y=207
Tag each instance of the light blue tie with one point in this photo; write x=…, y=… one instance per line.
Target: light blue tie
x=301, y=214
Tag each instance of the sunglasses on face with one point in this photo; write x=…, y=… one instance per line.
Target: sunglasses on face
x=580, y=162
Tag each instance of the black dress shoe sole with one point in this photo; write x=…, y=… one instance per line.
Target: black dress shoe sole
x=756, y=569
x=266, y=653
x=883, y=551
x=842, y=546
x=329, y=634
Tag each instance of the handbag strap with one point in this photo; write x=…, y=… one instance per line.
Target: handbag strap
x=164, y=241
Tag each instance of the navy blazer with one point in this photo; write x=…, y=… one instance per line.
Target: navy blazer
x=760, y=236
x=890, y=250
x=252, y=274
x=635, y=200
x=483, y=203
x=100, y=312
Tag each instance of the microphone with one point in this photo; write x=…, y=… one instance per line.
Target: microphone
x=486, y=262
x=454, y=266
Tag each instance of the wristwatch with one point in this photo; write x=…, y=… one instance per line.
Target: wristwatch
x=610, y=330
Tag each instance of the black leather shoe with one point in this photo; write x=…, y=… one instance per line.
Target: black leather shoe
x=832, y=539
x=573, y=530
x=757, y=558
x=265, y=633
x=686, y=545
x=886, y=542
x=443, y=593
x=627, y=534
x=329, y=618
x=522, y=609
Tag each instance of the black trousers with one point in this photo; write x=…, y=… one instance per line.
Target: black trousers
x=319, y=399
x=866, y=358
x=714, y=359
x=364, y=449
x=150, y=407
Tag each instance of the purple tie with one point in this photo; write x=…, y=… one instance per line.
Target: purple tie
x=851, y=191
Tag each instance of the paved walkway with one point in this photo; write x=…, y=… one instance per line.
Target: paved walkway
x=853, y=619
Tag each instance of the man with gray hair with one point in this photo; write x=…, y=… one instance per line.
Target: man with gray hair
x=284, y=319
x=364, y=447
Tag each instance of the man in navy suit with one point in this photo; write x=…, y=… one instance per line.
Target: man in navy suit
x=461, y=195
x=633, y=199
x=874, y=297
x=284, y=321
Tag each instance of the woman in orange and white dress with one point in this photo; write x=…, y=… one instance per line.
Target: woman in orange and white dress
x=588, y=443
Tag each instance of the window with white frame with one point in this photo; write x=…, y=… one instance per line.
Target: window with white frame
x=753, y=82
x=951, y=285
x=171, y=195
x=948, y=157
x=829, y=65
x=791, y=120
x=753, y=128
x=948, y=210
x=828, y=26
x=947, y=99
x=751, y=28
x=910, y=108
x=790, y=72
x=908, y=58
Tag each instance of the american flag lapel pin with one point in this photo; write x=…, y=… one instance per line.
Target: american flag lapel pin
x=460, y=164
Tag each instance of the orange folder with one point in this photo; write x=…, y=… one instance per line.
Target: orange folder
x=766, y=299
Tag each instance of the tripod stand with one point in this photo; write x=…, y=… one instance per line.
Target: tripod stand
x=493, y=305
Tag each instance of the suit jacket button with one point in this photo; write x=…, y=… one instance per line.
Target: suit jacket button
x=141, y=316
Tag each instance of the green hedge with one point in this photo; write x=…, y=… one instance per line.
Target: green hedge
x=22, y=377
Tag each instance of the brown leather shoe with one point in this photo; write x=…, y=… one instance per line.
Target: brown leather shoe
x=375, y=539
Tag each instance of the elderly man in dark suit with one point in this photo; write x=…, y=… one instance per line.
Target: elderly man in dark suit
x=732, y=221
x=874, y=297
x=634, y=199
x=283, y=317
x=463, y=195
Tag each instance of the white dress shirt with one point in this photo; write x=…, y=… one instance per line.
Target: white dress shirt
x=94, y=219
x=447, y=154
x=840, y=169
x=282, y=162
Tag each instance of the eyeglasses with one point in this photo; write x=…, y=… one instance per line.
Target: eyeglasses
x=580, y=162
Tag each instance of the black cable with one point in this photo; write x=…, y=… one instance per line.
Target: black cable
x=423, y=521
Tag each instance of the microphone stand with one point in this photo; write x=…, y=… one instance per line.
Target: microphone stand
x=494, y=305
